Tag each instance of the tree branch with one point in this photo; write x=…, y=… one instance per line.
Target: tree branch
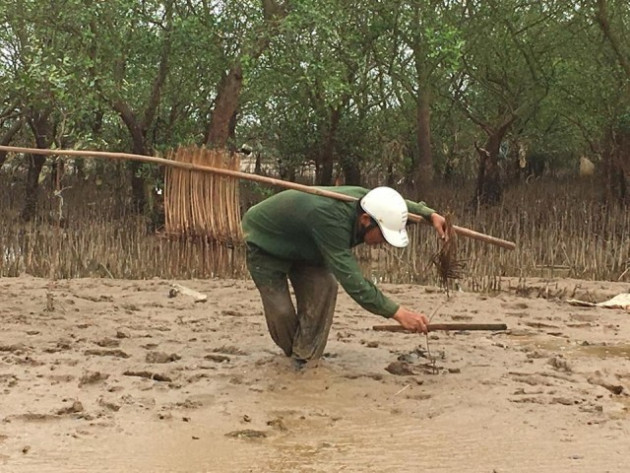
x=604, y=23
x=160, y=79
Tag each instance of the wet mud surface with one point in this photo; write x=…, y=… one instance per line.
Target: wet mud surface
x=109, y=375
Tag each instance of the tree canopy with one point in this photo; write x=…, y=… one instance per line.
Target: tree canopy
x=402, y=91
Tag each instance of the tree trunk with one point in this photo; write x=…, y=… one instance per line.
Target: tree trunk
x=327, y=154
x=489, y=189
x=423, y=169
x=35, y=164
x=618, y=160
x=140, y=124
x=41, y=130
x=223, y=120
x=351, y=171
x=258, y=164
x=225, y=108
x=7, y=137
x=138, y=198
x=137, y=131
x=617, y=168
x=391, y=178
x=624, y=165
x=57, y=170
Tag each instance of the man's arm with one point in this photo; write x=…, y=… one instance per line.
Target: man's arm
x=435, y=219
x=347, y=271
x=344, y=266
x=332, y=241
x=420, y=208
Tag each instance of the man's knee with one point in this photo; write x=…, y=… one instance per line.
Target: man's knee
x=330, y=283
x=279, y=312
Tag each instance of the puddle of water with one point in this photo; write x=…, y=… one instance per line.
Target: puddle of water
x=606, y=351
x=575, y=349
x=329, y=428
x=154, y=448
x=361, y=440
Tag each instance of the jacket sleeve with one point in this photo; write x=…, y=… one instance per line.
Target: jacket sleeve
x=332, y=242
x=419, y=208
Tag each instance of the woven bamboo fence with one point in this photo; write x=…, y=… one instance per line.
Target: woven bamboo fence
x=202, y=204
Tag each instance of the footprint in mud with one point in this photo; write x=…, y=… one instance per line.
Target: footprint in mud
x=161, y=357
x=544, y=400
x=229, y=350
x=75, y=408
x=559, y=363
x=614, y=387
x=8, y=381
x=248, y=434
x=565, y=401
x=277, y=424
x=92, y=377
x=113, y=353
x=108, y=343
x=60, y=378
x=31, y=417
x=197, y=377
x=22, y=360
x=16, y=349
x=532, y=379
x=109, y=405
x=217, y=358
x=400, y=368
x=374, y=376
x=528, y=400
x=149, y=375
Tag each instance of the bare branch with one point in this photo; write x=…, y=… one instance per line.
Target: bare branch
x=604, y=23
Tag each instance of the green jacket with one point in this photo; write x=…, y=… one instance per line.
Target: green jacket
x=294, y=225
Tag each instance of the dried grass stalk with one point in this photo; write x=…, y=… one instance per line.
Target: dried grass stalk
x=445, y=260
x=202, y=204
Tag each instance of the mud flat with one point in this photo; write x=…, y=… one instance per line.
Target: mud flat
x=101, y=375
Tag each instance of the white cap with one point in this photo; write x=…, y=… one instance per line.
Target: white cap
x=388, y=208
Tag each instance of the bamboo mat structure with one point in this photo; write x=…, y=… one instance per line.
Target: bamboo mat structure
x=202, y=204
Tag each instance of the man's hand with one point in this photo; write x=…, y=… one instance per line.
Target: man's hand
x=439, y=223
x=416, y=322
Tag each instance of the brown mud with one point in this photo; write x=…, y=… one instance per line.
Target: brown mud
x=101, y=375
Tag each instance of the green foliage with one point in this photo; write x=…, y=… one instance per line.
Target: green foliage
x=624, y=123
x=350, y=71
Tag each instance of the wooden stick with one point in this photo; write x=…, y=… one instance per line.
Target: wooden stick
x=442, y=327
x=243, y=175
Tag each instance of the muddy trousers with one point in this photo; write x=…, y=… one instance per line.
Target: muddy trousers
x=302, y=333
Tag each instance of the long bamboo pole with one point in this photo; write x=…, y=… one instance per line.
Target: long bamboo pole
x=243, y=175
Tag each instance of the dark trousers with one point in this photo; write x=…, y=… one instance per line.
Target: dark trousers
x=301, y=333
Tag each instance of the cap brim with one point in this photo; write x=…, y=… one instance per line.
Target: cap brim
x=398, y=239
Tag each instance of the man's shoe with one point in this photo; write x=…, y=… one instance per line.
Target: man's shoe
x=299, y=364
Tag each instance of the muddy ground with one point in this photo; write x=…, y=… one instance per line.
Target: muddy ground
x=102, y=375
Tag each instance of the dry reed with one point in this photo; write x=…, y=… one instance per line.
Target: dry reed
x=561, y=230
